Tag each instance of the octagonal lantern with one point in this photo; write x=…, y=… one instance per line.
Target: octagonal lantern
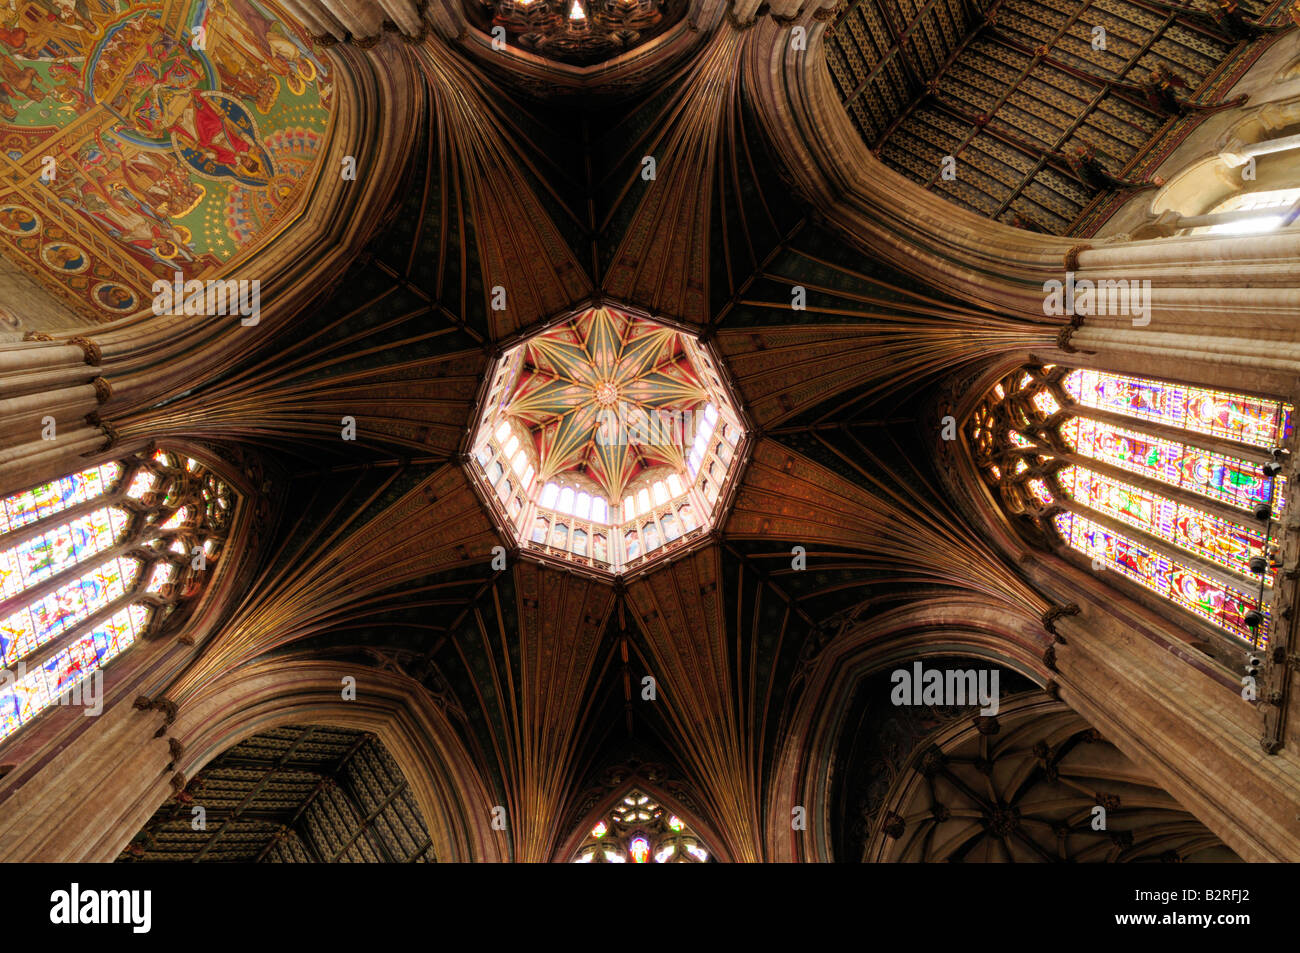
x=607, y=441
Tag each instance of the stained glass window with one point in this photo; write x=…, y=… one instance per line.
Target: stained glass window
x=639, y=830
x=1255, y=421
x=1154, y=480
x=1214, y=475
x=94, y=561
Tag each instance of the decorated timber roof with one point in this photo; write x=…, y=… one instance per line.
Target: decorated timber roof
x=569, y=387
x=609, y=439
x=298, y=794
x=140, y=140
x=1011, y=89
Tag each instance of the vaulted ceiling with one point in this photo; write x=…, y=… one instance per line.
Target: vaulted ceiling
x=379, y=554
x=1032, y=782
x=568, y=386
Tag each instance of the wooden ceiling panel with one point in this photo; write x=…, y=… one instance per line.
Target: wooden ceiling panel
x=294, y=794
x=923, y=81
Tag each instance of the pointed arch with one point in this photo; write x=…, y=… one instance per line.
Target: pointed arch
x=86, y=802
x=601, y=808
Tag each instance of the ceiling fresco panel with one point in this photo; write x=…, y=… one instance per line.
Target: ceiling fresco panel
x=140, y=140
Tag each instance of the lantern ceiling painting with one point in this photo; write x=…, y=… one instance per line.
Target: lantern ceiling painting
x=581, y=32
x=141, y=140
x=607, y=440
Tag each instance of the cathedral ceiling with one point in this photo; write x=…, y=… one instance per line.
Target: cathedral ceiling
x=1012, y=88
x=144, y=140
x=923, y=784
x=381, y=553
x=541, y=669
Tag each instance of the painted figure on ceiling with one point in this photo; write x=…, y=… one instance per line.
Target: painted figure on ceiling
x=250, y=51
x=162, y=70
x=160, y=153
x=66, y=87
x=94, y=186
x=47, y=29
x=215, y=135
x=159, y=181
x=17, y=80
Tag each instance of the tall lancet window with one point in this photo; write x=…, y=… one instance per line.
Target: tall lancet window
x=639, y=830
x=91, y=563
x=1162, y=483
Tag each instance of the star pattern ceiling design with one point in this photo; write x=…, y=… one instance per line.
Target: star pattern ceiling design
x=610, y=417
x=404, y=544
x=574, y=385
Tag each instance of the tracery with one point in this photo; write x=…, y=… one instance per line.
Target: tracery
x=93, y=562
x=1164, y=483
x=639, y=830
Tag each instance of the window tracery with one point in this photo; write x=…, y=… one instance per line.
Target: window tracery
x=94, y=561
x=1163, y=483
x=639, y=830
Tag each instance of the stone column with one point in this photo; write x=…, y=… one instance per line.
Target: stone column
x=1222, y=311
x=1196, y=733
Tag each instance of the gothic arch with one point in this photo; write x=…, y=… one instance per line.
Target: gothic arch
x=596, y=809
x=973, y=258
x=113, y=783
x=971, y=627
x=1062, y=793
x=417, y=733
x=161, y=650
x=1195, y=280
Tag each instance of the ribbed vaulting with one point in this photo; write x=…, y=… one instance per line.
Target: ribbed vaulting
x=508, y=694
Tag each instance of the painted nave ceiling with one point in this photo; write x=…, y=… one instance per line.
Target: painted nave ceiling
x=637, y=207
